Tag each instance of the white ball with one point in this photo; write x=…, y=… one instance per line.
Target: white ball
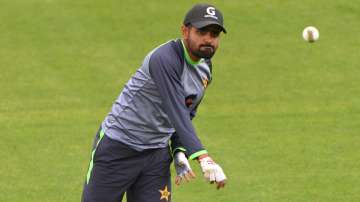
x=310, y=34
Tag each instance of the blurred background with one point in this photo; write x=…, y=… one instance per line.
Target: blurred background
x=282, y=116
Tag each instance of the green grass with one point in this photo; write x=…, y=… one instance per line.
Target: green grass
x=282, y=116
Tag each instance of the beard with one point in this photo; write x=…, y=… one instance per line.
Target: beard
x=203, y=51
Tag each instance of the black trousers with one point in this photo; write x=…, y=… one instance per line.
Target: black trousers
x=115, y=169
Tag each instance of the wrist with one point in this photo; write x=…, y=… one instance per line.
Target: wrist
x=202, y=156
x=197, y=154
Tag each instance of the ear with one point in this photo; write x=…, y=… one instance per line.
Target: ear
x=185, y=31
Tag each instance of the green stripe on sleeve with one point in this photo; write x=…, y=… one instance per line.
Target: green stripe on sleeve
x=196, y=154
x=178, y=149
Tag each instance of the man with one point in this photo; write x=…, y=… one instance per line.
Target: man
x=131, y=150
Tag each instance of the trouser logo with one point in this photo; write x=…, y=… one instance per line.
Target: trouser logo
x=164, y=194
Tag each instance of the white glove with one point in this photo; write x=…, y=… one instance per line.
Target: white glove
x=212, y=172
x=182, y=167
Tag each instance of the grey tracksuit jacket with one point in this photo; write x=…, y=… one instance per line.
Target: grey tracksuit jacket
x=159, y=101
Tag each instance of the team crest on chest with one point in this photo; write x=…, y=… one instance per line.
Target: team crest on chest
x=205, y=83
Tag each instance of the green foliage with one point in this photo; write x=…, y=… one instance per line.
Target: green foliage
x=282, y=116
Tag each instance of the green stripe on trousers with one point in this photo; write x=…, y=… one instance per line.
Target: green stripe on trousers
x=92, y=157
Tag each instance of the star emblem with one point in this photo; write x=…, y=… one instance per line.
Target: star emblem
x=164, y=194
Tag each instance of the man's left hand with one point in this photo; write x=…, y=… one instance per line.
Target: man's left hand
x=212, y=172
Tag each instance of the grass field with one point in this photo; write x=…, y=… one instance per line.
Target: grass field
x=282, y=116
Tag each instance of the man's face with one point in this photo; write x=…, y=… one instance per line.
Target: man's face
x=202, y=43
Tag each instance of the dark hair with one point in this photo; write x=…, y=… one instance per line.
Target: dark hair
x=188, y=25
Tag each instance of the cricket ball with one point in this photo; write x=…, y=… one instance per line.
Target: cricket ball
x=310, y=34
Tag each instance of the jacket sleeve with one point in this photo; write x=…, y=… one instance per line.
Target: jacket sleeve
x=193, y=112
x=176, y=145
x=166, y=71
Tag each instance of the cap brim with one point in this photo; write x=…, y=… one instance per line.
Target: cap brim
x=202, y=24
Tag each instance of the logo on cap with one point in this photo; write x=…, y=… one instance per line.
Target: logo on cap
x=210, y=13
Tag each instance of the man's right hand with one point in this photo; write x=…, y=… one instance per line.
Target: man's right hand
x=183, y=169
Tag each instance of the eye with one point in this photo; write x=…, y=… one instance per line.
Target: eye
x=214, y=34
